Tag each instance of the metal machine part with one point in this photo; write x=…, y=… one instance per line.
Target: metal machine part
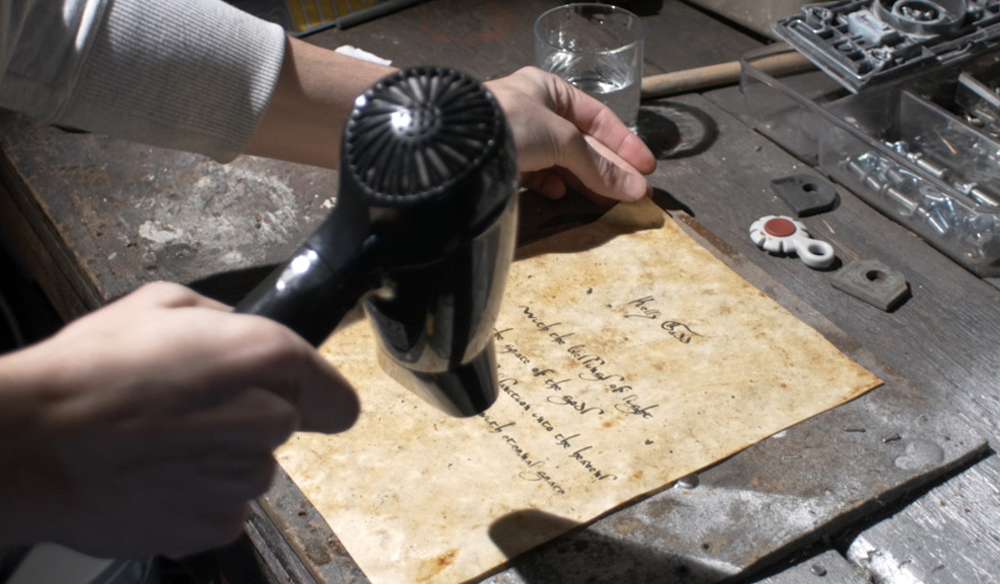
x=426, y=217
x=873, y=282
x=923, y=17
x=862, y=43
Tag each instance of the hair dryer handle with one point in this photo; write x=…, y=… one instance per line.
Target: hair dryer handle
x=314, y=290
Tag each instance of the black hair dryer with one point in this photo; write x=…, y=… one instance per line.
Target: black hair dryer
x=423, y=233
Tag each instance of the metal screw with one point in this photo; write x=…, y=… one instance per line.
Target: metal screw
x=909, y=205
x=935, y=169
x=978, y=194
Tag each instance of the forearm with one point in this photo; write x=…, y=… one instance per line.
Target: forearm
x=192, y=75
x=312, y=99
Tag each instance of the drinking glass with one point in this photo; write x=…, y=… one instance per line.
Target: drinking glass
x=597, y=48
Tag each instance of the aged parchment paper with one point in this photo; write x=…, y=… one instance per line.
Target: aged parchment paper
x=625, y=363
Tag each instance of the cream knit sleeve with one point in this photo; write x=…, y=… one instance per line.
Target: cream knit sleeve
x=193, y=75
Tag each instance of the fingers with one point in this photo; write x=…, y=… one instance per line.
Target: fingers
x=593, y=170
x=245, y=423
x=556, y=125
x=601, y=170
x=189, y=352
x=166, y=295
x=326, y=401
x=598, y=123
x=271, y=357
x=607, y=158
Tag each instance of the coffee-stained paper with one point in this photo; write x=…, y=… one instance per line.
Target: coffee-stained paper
x=628, y=357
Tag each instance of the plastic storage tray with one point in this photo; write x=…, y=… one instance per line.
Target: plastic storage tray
x=924, y=152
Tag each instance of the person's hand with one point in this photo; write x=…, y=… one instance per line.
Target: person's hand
x=567, y=139
x=145, y=427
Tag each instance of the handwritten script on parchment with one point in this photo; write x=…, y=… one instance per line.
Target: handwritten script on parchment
x=628, y=357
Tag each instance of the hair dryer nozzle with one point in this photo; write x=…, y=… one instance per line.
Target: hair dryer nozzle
x=416, y=133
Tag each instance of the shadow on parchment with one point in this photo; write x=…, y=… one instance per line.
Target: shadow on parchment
x=622, y=219
x=580, y=555
x=539, y=219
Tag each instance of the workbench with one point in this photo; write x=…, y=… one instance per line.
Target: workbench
x=900, y=484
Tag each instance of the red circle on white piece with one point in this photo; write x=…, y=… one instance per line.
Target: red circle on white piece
x=779, y=227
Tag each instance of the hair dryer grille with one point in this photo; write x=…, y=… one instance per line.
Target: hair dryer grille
x=418, y=132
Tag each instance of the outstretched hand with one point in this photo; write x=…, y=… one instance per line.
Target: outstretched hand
x=567, y=139
x=145, y=427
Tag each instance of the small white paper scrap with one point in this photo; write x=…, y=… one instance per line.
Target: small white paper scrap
x=362, y=54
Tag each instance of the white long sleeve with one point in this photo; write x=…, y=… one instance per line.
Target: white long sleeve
x=194, y=75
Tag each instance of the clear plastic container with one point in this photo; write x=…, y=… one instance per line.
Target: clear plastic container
x=919, y=152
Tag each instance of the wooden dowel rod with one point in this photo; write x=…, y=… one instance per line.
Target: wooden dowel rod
x=718, y=75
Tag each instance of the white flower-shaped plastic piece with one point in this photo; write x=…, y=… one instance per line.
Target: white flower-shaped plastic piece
x=780, y=234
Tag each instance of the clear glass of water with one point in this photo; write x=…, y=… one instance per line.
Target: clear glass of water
x=597, y=48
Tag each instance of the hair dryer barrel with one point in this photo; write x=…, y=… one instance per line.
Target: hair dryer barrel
x=426, y=215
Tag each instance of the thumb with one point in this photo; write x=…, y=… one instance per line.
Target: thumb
x=326, y=402
x=271, y=356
